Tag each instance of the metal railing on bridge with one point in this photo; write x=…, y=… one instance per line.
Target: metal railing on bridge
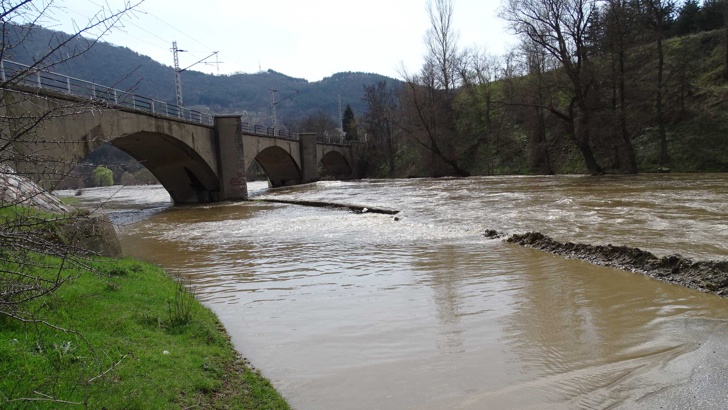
x=28, y=76
x=17, y=73
x=269, y=131
x=284, y=134
x=336, y=140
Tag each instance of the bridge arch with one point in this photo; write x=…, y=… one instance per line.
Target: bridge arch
x=279, y=166
x=334, y=163
x=177, y=166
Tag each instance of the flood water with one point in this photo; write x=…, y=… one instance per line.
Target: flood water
x=362, y=311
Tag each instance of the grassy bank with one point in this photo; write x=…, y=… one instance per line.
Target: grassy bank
x=136, y=339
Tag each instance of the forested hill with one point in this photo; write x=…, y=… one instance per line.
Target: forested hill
x=125, y=69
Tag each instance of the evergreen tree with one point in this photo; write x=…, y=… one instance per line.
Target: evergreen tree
x=348, y=123
x=688, y=19
x=712, y=15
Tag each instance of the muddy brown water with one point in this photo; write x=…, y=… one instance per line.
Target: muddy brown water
x=359, y=311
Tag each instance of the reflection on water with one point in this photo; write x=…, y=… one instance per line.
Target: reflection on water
x=346, y=310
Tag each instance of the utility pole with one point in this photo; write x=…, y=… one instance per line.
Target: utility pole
x=273, y=106
x=216, y=64
x=273, y=103
x=341, y=115
x=177, y=71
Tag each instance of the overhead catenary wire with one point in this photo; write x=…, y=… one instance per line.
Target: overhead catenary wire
x=131, y=28
x=162, y=45
x=121, y=29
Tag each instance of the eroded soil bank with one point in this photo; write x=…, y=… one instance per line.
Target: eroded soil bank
x=706, y=276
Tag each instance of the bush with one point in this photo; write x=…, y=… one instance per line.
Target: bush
x=103, y=176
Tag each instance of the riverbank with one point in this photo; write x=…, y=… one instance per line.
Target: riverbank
x=705, y=276
x=126, y=335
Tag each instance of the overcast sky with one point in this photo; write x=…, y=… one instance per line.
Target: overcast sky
x=309, y=39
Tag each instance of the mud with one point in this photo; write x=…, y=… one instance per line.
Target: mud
x=706, y=276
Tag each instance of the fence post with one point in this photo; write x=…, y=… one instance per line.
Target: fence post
x=116, y=100
x=2, y=69
x=133, y=101
x=68, y=84
x=37, y=76
x=93, y=89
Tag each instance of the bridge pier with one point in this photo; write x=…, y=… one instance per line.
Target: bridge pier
x=309, y=157
x=231, y=158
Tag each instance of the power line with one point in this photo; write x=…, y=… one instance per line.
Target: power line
x=121, y=31
x=175, y=29
x=120, y=28
x=192, y=53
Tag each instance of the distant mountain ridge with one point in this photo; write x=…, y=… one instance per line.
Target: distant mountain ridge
x=245, y=94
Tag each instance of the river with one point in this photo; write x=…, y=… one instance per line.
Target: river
x=419, y=311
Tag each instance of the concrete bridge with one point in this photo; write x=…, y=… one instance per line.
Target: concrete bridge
x=196, y=157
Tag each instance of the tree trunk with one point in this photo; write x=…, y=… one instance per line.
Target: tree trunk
x=540, y=161
x=590, y=161
x=390, y=148
x=725, y=53
x=631, y=165
x=582, y=136
x=664, y=159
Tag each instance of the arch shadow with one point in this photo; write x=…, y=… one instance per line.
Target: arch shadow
x=335, y=164
x=182, y=171
x=279, y=166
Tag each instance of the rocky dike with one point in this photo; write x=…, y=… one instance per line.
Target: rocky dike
x=705, y=276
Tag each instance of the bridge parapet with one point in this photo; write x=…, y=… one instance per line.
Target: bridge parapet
x=29, y=76
x=254, y=129
x=15, y=73
x=337, y=140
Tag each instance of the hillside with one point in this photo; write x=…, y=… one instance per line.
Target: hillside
x=524, y=123
x=123, y=68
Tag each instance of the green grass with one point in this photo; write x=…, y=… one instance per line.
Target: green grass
x=130, y=349
x=10, y=212
x=70, y=200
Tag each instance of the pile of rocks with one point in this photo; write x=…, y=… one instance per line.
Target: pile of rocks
x=18, y=190
x=706, y=276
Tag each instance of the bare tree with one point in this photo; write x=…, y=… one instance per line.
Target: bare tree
x=427, y=97
x=320, y=123
x=618, y=21
x=659, y=14
x=429, y=120
x=380, y=121
x=38, y=254
x=479, y=104
x=441, y=41
x=538, y=63
x=560, y=27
